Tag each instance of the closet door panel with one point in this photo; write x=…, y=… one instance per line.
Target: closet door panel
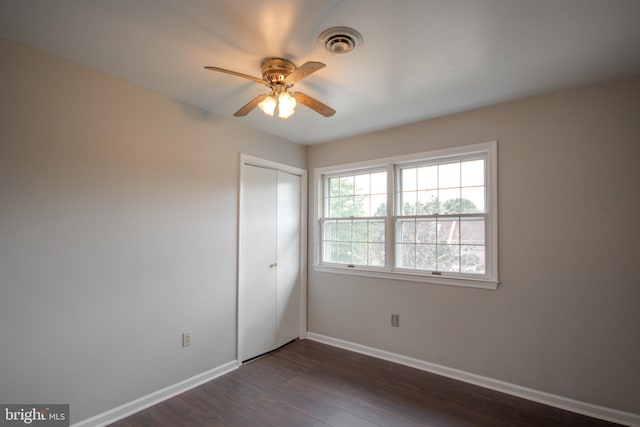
x=258, y=272
x=288, y=248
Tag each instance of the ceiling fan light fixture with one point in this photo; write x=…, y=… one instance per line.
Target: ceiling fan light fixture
x=268, y=105
x=340, y=40
x=286, y=105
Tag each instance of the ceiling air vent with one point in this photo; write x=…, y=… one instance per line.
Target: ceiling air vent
x=340, y=40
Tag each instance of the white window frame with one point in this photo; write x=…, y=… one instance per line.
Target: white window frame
x=489, y=280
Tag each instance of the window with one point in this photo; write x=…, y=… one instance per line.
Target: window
x=426, y=217
x=353, y=226
x=440, y=218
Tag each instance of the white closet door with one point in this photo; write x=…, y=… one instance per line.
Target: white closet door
x=288, y=249
x=258, y=270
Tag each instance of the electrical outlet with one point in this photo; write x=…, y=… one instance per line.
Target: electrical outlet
x=395, y=320
x=186, y=339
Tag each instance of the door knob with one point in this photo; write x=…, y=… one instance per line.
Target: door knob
x=275, y=264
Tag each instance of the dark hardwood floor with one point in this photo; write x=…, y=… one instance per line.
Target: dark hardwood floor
x=311, y=384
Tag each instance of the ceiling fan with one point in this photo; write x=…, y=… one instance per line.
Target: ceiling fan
x=280, y=75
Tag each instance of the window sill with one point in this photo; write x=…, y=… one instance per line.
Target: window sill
x=411, y=277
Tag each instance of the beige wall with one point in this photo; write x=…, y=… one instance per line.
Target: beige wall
x=118, y=225
x=565, y=319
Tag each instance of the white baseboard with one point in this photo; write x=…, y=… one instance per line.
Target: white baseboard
x=144, y=402
x=595, y=411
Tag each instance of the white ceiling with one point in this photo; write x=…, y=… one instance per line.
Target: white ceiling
x=420, y=59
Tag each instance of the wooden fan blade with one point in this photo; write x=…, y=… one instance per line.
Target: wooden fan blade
x=303, y=71
x=249, y=106
x=314, y=104
x=237, y=74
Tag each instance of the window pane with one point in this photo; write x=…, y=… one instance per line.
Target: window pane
x=407, y=232
x=426, y=257
x=472, y=259
x=360, y=253
x=334, y=187
x=379, y=183
x=408, y=203
x=349, y=207
x=330, y=251
x=344, y=252
x=428, y=177
x=426, y=231
x=379, y=205
x=409, y=179
x=361, y=206
x=376, y=231
x=346, y=185
x=360, y=231
x=449, y=201
x=427, y=202
x=448, y=231
x=335, y=207
x=407, y=256
x=359, y=242
x=472, y=173
x=329, y=232
x=449, y=175
x=376, y=254
x=343, y=231
x=472, y=231
x=362, y=184
x=358, y=195
x=472, y=199
x=448, y=258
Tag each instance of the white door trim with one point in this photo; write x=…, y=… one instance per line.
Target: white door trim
x=249, y=160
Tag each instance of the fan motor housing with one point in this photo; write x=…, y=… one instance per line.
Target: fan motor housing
x=275, y=70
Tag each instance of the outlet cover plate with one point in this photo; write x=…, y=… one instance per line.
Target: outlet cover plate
x=395, y=320
x=186, y=339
